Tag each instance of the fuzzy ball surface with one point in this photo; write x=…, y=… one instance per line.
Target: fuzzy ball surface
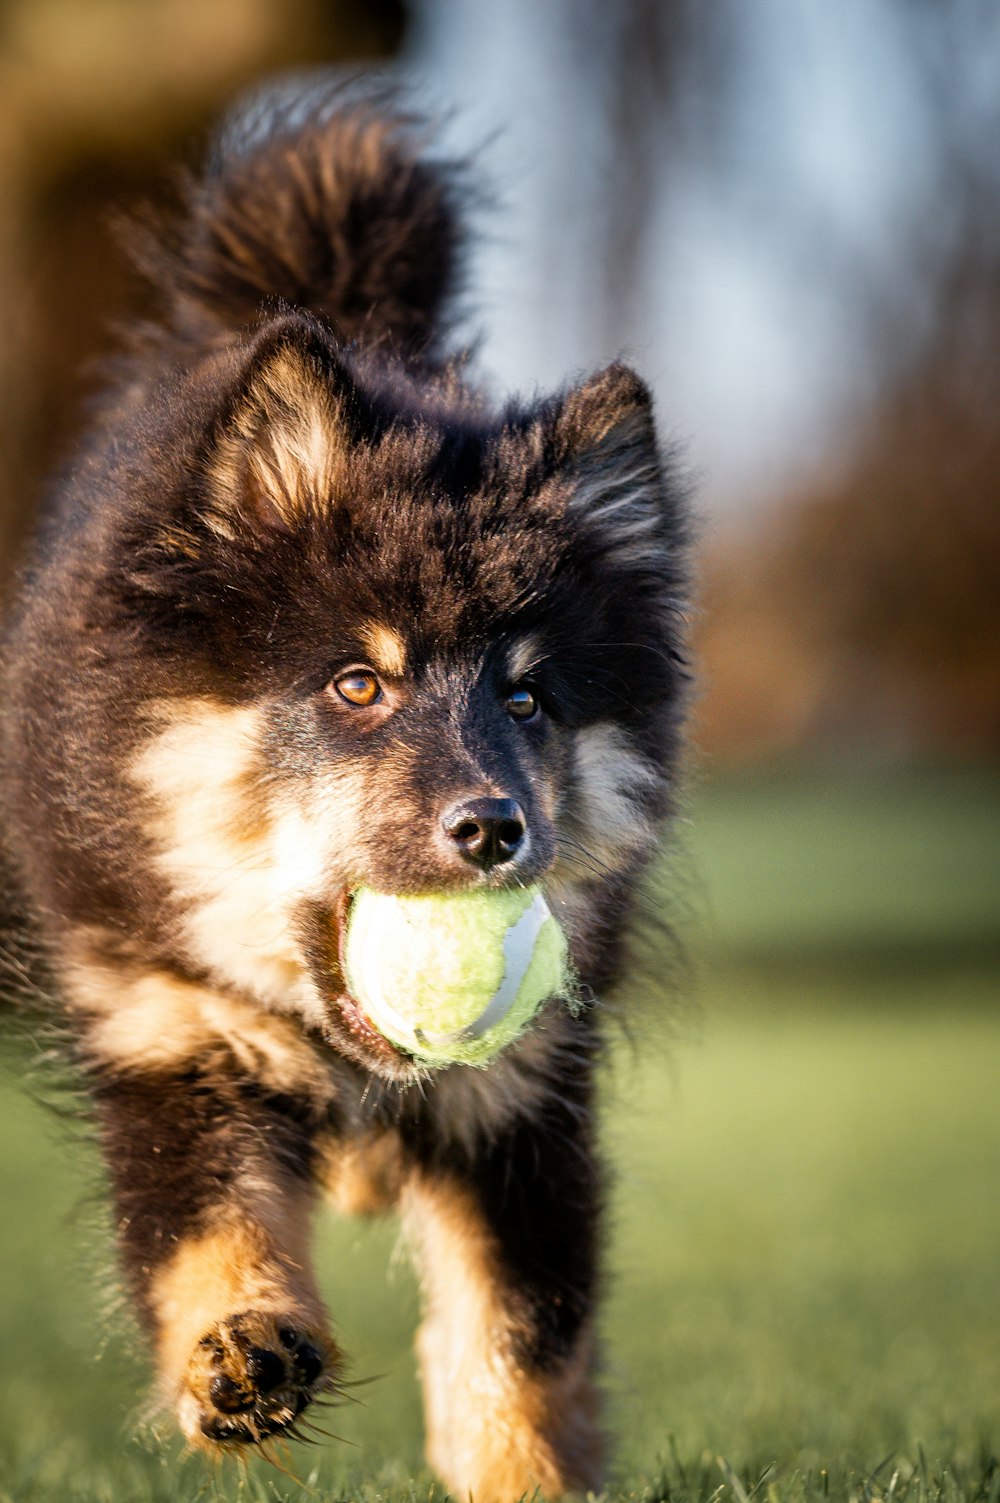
x=453, y=978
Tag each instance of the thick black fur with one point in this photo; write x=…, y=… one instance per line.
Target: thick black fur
x=288, y=456
x=350, y=223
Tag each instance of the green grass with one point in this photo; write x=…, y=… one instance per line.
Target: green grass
x=805, y=1290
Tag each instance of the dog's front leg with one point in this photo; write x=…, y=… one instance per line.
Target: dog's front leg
x=507, y=1251
x=213, y=1207
x=207, y=1125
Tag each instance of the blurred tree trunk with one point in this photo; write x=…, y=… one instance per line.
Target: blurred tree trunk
x=652, y=50
x=643, y=59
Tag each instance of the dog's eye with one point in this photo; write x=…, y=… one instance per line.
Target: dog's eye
x=522, y=703
x=359, y=687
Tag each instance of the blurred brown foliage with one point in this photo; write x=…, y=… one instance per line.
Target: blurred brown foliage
x=98, y=99
x=860, y=614
x=864, y=616
x=861, y=617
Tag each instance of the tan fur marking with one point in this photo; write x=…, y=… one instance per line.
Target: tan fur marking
x=613, y=827
x=547, y=791
x=236, y=857
x=494, y=1430
x=363, y=1177
x=218, y=1275
x=524, y=654
x=255, y=1260
x=386, y=649
x=285, y=445
x=155, y=1021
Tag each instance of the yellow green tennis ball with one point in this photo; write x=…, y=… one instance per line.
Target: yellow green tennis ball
x=453, y=977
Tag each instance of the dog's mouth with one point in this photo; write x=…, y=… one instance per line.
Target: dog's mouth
x=355, y=1018
x=347, y=1025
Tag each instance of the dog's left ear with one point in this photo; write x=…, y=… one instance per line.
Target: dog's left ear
x=281, y=441
x=603, y=443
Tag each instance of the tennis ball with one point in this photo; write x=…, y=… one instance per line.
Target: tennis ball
x=453, y=977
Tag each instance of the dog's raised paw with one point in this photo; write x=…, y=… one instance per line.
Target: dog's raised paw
x=250, y=1377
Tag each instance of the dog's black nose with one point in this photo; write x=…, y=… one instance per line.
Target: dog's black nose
x=486, y=830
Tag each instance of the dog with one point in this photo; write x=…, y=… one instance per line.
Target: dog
x=310, y=612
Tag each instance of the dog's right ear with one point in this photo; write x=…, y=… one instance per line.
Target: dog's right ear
x=600, y=444
x=279, y=445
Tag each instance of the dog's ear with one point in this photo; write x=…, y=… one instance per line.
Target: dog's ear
x=603, y=447
x=280, y=443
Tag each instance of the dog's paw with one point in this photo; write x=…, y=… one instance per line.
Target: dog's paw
x=250, y=1377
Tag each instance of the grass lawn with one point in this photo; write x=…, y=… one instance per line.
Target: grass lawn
x=805, y=1290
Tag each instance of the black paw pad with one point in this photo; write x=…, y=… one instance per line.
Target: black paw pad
x=266, y=1369
x=228, y=1396
x=227, y=1431
x=308, y=1362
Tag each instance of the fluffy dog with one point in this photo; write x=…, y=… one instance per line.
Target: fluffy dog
x=310, y=613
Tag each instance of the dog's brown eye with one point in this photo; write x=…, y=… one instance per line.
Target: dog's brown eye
x=521, y=703
x=359, y=688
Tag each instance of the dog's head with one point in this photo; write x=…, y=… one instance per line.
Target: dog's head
x=400, y=642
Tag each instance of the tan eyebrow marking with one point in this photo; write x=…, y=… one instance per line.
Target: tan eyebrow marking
x=386, y=648
x=523, y=656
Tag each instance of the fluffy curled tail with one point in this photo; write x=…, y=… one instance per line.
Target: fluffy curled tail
x=319, y=196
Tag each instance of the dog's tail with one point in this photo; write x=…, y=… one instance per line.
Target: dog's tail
x=321, y=196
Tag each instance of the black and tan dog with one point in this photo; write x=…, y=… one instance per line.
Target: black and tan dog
x=309, y=613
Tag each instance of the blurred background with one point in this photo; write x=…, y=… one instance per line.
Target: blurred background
x=786, y=214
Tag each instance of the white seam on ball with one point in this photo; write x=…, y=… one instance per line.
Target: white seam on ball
x=518, y=950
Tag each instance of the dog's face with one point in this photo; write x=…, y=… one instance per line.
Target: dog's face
x=407, y=647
